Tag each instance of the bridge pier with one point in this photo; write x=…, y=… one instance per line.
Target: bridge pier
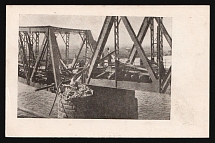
x=106, y=103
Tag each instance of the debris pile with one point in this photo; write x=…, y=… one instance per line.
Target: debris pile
x=75, y=90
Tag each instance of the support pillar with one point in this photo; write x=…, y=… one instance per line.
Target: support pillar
x=105, y=103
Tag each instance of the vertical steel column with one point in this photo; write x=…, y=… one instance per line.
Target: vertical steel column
x=158, y=55
x=48, y=58
x=67, y=48
x=40, y=55
x=25, y=43
x=86, y=50
x=28, y=46
x=32, y=38
x=28, y=52
x=116, y=45
x=165, y=33
x=152, y=38
x=32, y=45
x=161, y=43
x=37, y=44
x=25, y=63
x=19, y=54
x=139, y=49
x=86, y=56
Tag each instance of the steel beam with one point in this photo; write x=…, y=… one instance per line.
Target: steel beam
x=116, y=46
x=140, y=36
x=64, y=66
x=86, y=47
x=55, y=56
x=79, y=52
x=166, y=80
x=24, y=58
x=48, y=58
x=92, y=42
x=30, y=47
x=128, y=85
x=82, y=36
x=152, y=38
x=67, y=48
x=33, y=29
x=100, y=44
x=166, y=34
x=159, y=55
x=161, y=44
x=40, y=56
x=44, y=29
x=103, y=58
x=37, y=44
x=139, y=48
x=166, y=76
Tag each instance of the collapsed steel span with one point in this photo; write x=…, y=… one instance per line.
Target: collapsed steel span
x=43, y=65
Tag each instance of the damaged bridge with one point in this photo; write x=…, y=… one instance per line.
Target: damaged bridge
x=106, y=84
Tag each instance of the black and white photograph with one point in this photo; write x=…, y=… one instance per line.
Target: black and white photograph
x=107, y=71
x=110, y=67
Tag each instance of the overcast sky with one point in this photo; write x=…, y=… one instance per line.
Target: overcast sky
x=93, y=23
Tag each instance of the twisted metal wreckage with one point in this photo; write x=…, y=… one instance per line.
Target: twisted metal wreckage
x=44, y=64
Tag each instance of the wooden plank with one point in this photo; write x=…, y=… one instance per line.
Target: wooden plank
x=139, y=48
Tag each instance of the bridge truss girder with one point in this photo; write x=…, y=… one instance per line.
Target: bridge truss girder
x=160, y=80
x=48, y=50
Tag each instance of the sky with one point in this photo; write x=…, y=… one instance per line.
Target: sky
x=93, y=23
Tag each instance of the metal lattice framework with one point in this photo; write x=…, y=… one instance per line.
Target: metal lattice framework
x=158, y=80
x=149, y=76
x=33, y=56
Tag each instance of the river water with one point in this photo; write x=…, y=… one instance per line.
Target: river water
x=151, y=106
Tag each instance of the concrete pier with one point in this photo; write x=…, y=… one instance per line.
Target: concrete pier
x=106, y=103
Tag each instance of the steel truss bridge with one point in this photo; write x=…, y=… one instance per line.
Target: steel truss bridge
x=42, y=62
